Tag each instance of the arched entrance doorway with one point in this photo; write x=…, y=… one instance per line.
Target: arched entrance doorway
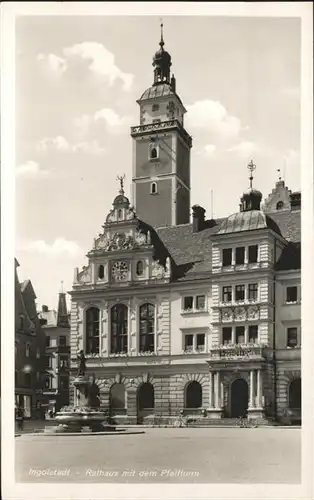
x=239, y=398
x=295, y=394
x=145, y=401
x=193, y=395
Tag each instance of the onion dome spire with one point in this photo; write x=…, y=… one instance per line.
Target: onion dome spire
x=251, y=199
x=162, y=62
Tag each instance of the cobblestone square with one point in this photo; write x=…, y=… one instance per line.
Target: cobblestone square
x=210, y=455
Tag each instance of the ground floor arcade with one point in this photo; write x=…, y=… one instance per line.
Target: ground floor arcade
x=216, y=391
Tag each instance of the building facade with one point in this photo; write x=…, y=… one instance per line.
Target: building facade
x=29, y=348
x=56, y=327
x=202, y=317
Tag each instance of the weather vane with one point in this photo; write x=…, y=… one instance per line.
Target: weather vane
x=251, y=168
x=162, y=32
x=121, y=178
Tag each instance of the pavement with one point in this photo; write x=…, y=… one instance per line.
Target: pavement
x=163, y=455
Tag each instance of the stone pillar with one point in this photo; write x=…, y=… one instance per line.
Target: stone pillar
x=246, y=334
x=252, y=389
x=211, y=390
x=217, y=390
x=259, y=402
x=233, y=339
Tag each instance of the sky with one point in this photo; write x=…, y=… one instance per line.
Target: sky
x=77, y=82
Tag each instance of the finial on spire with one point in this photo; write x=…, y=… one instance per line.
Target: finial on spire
x=279, y=176
x=251, y=168
x=121, y=178
x=161, y=43
x=61, y=288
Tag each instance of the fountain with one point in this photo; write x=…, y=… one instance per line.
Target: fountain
x=86, y=412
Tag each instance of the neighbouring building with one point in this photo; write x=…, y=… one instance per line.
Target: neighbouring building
x=56, y=327
x=29, y=348
x=177, y=315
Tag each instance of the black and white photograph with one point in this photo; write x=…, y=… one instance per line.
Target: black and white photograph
x=160, y=169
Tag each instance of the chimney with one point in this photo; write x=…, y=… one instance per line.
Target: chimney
x=198, y=215
x=295, y=201
x=45, y=309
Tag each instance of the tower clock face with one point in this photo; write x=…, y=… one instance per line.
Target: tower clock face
x=119, y=271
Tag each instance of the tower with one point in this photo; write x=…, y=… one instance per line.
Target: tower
x=161, y=150
x=62, y=318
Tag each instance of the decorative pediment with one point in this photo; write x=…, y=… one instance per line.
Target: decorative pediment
x=85, y=276
x=120, y=214
x=122, y=241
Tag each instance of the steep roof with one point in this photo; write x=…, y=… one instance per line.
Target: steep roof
x=191, y=252
x=248, y=221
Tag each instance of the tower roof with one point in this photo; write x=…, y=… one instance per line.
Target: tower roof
x=62, y=318
x=248, y=221
x=162, y=63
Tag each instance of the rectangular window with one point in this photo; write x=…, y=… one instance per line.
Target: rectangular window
x=239, y=292
x=200, y=302
x=200, y=341
x=188, y=342
x=253, y=291
x=155, y=107
x=226, y=335
x=62, y=341
x=253, y=334
x=239, y=256
x=291, y=294
x=227, y=293
x=292, y=337
x=187, y=303
x=47, y=382
x=239, y=335
x=253, y=250
x=47, y=362
x=227, y=257
x=64, y=361
x=47, y=341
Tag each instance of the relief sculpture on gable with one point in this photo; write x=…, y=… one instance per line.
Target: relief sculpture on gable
x=121, y=241
x=158, y=271
x=85, y=276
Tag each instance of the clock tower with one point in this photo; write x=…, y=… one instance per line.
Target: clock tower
x=161, y=151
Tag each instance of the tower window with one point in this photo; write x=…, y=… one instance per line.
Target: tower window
x=279, y=205
x=253, y=252
x=139, y=268
x=101, y=272
x=153, y=151
x=153, y=188
x=155, y=107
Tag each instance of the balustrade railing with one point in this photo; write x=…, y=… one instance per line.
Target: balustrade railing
x=237, y=351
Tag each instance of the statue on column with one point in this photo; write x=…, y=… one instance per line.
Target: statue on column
x=81, y=369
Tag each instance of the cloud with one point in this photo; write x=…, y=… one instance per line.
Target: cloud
x=59, y=143
x=244, y=149
x=212, y=117
x=58, y=247
x=210, y=149
x=55, y=63
x=107, y=116
x=101, y=62
x=30, y=169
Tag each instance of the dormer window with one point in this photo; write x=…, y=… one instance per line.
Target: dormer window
x=279, y=205
x=101, y=272
x=153, y=188
x=155, y=107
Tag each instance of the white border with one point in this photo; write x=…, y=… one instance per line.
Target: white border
x=267, y=9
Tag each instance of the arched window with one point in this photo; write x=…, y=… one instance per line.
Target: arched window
x=279, y=205
x=193, y=395
x=119, y=329
x=295, y=394
x=27, y=350
x=146, y=396
x=101, y=272
x=92, y=330
x=117, y=397
x=139, y=268
x=153, y=188
x=119, y=214
x=147, y=328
